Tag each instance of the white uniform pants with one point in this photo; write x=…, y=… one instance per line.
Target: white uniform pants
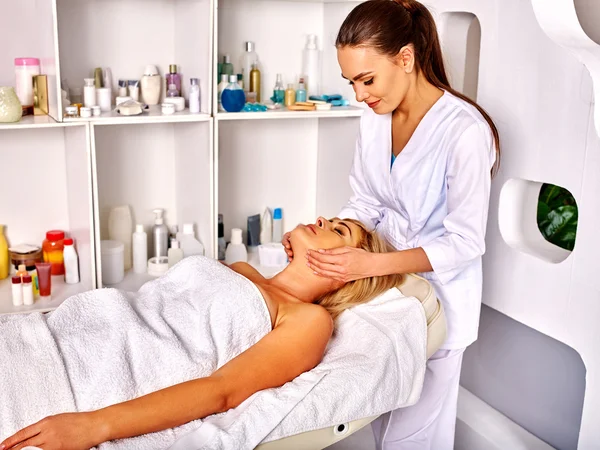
x=429, y=424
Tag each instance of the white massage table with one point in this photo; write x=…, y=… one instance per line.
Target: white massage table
x=413, y=286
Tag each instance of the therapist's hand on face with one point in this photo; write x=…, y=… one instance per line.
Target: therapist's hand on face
x=288, y=247
x=342, y=264
x=70, y=431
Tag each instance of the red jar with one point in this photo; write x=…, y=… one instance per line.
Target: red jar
x=52, y=248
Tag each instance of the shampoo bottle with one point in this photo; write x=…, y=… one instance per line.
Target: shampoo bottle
x=160, y=235
x=188, y=242
x=151, y=82
x=175, y=253
x=266, y=227
x=277, y=225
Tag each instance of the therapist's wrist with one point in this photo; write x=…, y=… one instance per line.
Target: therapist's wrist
x=382, y=265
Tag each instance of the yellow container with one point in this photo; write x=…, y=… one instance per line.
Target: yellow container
x=4, y=262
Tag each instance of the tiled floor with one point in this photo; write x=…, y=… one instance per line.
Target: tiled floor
x=361, y=440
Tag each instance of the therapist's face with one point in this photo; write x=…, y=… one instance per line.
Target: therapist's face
x=325, y=234
x=378, y=80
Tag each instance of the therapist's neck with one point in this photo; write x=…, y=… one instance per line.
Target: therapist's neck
x=299, y=281
x=420, y=97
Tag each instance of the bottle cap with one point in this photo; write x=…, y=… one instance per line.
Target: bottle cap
x=27, y=62
x=249, y=46
x=290, y=85
x=27, y=279
x=89, y=81
x=236, y=236
x=139, y=228
x=174, y=243
x=69, y=241
x=240, y=77
x=233, y=78
x=277, y=213
x=55, y=235
x=16, y=279
x=188, y=228
x=173, y=68
x=159, y=218
x=224, y=77
x=22, y=268
x=227, y=59
x=151, y=70
x=194, y=82
x=311, y=41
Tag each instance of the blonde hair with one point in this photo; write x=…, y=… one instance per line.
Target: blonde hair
x=361, y=291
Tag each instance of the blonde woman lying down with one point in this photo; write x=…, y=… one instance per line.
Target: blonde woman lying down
x=302, y=308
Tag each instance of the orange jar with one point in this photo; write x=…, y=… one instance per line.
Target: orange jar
x=53, y=247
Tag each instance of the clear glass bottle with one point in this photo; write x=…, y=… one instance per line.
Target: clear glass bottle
x=173, y=78
x=172, y=91
x=249, y=57
x=278, y=91
x=233, y=97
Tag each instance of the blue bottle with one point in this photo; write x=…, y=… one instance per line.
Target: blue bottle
x=278, y=91
x=301, y=91
x=233, y=98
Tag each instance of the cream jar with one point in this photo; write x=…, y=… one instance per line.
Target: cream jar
x=168, y=108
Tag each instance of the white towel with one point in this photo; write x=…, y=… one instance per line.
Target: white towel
x=193, y=320
x=107, y=346
x=375, y=363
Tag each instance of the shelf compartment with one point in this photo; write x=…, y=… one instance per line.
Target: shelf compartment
x=158, y=32
x=163, y=165
x=49, y=169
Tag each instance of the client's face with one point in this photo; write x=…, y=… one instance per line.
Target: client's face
x=325, y=234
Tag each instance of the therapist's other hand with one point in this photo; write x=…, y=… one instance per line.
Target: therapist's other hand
x=288, y=247
x=70, y=431
x=342, y=264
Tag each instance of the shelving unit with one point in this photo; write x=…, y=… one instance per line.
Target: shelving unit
x=195, y=166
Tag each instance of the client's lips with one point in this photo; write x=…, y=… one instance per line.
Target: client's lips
x=374, y=104
x=312, y=228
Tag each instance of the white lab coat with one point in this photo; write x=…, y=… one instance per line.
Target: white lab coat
x=435, y=196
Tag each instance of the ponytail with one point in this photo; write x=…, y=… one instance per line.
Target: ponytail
x=389, y=25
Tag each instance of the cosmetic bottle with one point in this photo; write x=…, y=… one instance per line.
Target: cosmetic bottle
x=151, y=86
x=134, y=89
x=173, y=78
x=4, y=260
x=188, y=242
x=222, y=85
x=122, y=88
x=17, y=291
x=175, y=253
x=255, y=81
x=120, y=226
x=89, y=92
x=277, y=225
x=249, y=57
x=71, y=263
x=140, y=249
x=233, y=98
x=222, y=246
x=236, y=251
x=310, y=65
x=227, y=67
x=160, y=235
x=194, y=100
x=290, y=95
x=266, y=227
x=278, y=91
x=301, y=91
x=27, y=290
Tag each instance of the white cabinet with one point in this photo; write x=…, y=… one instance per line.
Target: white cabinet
x=67, y=173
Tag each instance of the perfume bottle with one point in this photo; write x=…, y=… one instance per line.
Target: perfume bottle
x=233, y=98
x=173, y=78
x=278, y=91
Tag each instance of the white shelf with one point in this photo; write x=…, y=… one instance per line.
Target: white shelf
x=35, y=122
x=267, y=272
x=337, y=111
x=60, y=292
x=152, y=115
x=132, y=281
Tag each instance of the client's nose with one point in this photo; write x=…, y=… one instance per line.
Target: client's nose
x=321, y=222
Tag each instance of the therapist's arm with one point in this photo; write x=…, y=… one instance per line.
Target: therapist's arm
x=469, y=184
